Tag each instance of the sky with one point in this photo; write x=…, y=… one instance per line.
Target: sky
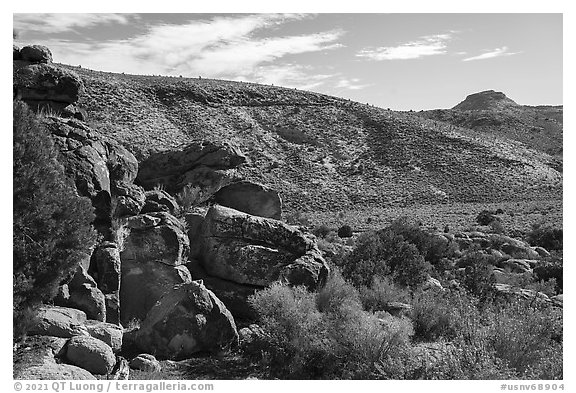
x=398, y=61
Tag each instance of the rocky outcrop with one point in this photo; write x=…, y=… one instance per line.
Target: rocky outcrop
x=187, y=320
x=258, y=251
x=59, y=322
x=130, y=199
x=38, y=360
x=91, y=354
x=36, y=54
x=251, y=198
x=82, y=293
x=152, y=262
x=486, y=100
x=160, y=201
x=46, y=83
x=105, y=263
x=195, y=165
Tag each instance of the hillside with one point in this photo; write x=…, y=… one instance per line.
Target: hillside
x=322, y=153
x=495, y=115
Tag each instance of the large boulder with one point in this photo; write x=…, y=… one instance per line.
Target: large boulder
x=83, y=294
x=36, y=54
x=91, y=354
x=169, y=167
x=37, y=360
x=187, y=320
x=47, y=82
x=109, y=333
x=202, y=182
x=163, y=240
x=253, y=250
x=251, y=198
x=59, y=322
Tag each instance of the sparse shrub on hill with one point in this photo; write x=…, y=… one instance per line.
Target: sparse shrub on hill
x=485, y=217
x=546, y=236
x=52, y=228
x=345, y=231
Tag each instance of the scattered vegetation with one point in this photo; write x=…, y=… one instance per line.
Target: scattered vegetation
x=52, y=228
x=546, y=236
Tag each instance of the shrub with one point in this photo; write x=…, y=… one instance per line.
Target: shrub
x=434, y=315
x=485, y=217
x=345, y=231
x=550, y=270
x=545, y=236
x=52, y=228
x=321, y=231
x=326, y=335
x=478, y=277
x=381, y=291
x=381, y=253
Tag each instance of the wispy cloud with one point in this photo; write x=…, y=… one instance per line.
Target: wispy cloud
x=350, y=84
x=58, y=23
x=498, y=52
x=424, y=46
x=228, y=47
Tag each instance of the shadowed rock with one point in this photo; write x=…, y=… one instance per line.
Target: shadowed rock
x=251, y=198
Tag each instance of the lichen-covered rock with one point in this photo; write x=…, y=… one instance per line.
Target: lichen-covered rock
x=36, y=54
x=59, y=322
x=91, y=354
x=253, y=250
x=165, y=242
x=187, y=320
x=251, y=198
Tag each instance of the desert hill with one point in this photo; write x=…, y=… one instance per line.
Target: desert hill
x=320, y=152
x=495, y=115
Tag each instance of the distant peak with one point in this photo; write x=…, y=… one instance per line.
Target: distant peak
x=486, y=100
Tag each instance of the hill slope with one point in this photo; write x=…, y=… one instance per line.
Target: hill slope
x=322, y=153
x=495, y=115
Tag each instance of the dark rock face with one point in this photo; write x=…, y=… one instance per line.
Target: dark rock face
x=16, y=55
x=152, y=262
x=105, y=262
x=251, y=198
x=47, y=82
x=130, y=198
x=36, y=54
x=186, y=320
x=170, y=168
x=485, y=100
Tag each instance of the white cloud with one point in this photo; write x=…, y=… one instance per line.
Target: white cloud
x=222, y=47
x=58, y=23
x=425, y=46
x=350, y=84
x=498, y=52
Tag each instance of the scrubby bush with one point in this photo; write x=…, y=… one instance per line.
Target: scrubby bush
x=382, y=291
x=382, y=253
x=485, y=217
x=550, y=270
x=546, y=236
x=345, y=231
x=52, y=228
x=478, y=276
x=327, y=334
x=321, y=231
